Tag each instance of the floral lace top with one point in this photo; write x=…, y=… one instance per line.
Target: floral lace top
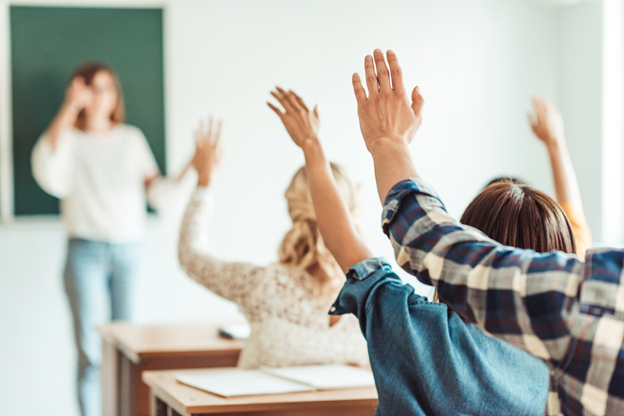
x=288, y=326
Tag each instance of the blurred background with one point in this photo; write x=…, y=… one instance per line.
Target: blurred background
x=477, y=63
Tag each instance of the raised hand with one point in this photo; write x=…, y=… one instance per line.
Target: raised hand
x=207, y=151
x=301, y=123
x=547, y=123
x=78, y=94
x=386, y=113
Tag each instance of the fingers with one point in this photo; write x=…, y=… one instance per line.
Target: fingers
x=383, y=76
x=358, y=89
x=277, y=110
x=540, y=106
x=292, y=101
x=371, y=78
x=316, y=111
x=295, y=101
x=532, y=121
x=282, y=100
x=199, y=143
x=289, y=100
x=299, y=100
x=396, y=72
x=537, y=117
x=207, y=135
x=418, y=101
x=217, y=137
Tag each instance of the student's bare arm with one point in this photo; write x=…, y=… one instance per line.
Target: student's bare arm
x=388, y=120
x=547, y=124
x=332, y=215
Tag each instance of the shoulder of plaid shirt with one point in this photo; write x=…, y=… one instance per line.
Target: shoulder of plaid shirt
x=567, y=312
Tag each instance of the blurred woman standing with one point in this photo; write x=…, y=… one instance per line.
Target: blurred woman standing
x=103, y=171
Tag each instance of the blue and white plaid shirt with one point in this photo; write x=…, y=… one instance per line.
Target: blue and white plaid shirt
x=552, y=305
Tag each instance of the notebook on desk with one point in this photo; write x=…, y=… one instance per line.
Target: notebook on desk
x=232, y=382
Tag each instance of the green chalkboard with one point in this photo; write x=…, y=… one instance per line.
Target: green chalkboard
x=47, y=44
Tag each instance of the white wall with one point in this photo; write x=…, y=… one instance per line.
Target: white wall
x=477, y=62
x=591, y=96
x=580, y=99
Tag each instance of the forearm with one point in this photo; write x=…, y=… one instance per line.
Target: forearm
x=569, y=196
x=393, y=163
x=566, y=184
x=65, y=118
x=184, y=171
x=332, y=215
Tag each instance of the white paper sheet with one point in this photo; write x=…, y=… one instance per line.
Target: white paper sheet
x=326, y=377
x=234, y=382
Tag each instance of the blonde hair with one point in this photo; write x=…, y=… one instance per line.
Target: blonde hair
x=303, y=246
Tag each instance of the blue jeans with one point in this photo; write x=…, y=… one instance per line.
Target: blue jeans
x=427, y=361
x=99, y=281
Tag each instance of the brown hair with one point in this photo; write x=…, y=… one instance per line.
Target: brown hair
x=87, y=72
x=518, y=215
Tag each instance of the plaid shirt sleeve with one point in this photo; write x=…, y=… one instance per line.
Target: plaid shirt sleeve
x=519, y=296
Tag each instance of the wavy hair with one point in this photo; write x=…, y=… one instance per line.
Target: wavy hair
x=303, y=246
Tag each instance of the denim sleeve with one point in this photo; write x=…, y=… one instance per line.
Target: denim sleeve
x=519, y=296
x=362, y=280
x=426, y=360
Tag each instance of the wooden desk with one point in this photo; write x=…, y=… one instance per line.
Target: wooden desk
x=170, y=398
x=128, y=350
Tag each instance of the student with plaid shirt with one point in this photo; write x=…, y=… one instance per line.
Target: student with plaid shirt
x=425, y=359
x=564, y=311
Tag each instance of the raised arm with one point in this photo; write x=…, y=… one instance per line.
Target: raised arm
x=547, y=124
x=51, y=159
x=388, y=120
x=332, y=215
x=524, y=298
x=231, y=280
x=77, y=96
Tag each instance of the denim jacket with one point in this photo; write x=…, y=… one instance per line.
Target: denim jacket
x=427, y=361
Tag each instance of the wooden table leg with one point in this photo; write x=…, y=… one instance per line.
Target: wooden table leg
x=160, y=408
x=110, y=379
x=128, y=377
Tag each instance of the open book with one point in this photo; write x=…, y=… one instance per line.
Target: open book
x=228, y=382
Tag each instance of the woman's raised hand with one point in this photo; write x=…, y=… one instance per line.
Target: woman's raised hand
x=78, y=94
x=546, y=123
x=301, y=123
x=207, y=151
x=386, y=114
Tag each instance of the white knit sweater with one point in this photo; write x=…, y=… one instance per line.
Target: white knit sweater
x=288, y=326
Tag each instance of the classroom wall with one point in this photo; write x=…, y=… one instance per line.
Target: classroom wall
x=580, y=89
x=477, y=62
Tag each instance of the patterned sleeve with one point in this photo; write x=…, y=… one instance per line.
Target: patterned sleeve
x=519, y=296
x=230, y=280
